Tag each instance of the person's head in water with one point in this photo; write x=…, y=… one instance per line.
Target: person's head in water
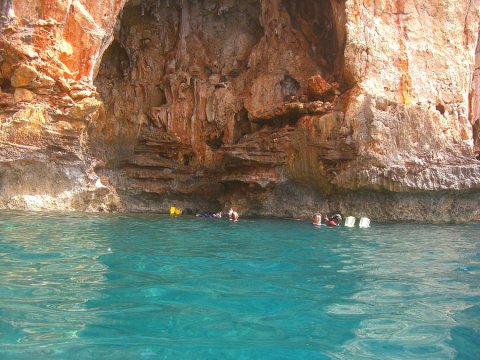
x=233, y=215
x=335, y=220
x=317, y=219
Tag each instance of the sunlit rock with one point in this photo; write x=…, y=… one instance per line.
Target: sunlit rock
x=23, y=95
x=275, y=107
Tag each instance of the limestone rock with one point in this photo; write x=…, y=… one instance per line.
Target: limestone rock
x=28, y=76
x=279, y=107
x=80, y=94
x=81, y=109
x=23, y=95
x=6, y=70
x=319, y=89
x=24, y=76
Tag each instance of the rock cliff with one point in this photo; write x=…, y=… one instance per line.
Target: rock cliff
x=275, y=107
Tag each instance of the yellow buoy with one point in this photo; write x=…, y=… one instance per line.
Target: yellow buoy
x=175, y=211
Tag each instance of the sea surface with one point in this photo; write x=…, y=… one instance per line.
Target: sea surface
x=80, y=286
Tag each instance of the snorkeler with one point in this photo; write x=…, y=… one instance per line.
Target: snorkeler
x=317, y=219
x=335, y=220
x=232, y=215
x=208, y=215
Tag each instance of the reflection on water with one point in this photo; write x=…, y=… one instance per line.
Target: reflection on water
x=84, y=286
x=49, y=270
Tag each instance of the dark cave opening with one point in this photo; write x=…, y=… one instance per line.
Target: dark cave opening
x=147, y=75
x=6, y=86
x=243, y=126
x=290, y=87
x=166, y=60
x=163, y=54
x=215, y=143
x=118, y=62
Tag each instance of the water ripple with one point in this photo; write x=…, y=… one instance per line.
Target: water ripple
x=82, y=286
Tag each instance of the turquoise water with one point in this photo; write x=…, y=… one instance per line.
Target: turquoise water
x=153, y=287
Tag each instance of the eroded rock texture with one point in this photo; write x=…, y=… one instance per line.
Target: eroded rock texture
x=275, y=107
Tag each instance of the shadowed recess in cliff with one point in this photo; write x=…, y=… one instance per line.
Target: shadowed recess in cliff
x=6, y=11
x=178, y=66
x=172, y=82
x=202, y=96
x=474, y=102
x=323, y=25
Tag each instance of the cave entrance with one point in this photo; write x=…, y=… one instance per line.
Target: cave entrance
x=177, y=79
x=170, y=59
x=162, y=50
x=166, y=58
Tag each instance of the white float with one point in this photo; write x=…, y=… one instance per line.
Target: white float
x=350, y=221
x=364, y=222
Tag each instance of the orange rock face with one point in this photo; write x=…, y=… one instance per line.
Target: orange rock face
x=278, y=108
x=319, y=89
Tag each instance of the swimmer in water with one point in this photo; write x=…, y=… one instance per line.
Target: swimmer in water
x=232, y=215
x=317, y=219
x=335, y=220
x=208, y=215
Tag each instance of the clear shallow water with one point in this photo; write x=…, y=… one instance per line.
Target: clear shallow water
x=151, y=287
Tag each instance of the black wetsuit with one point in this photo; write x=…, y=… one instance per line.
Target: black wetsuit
x=205, y=214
